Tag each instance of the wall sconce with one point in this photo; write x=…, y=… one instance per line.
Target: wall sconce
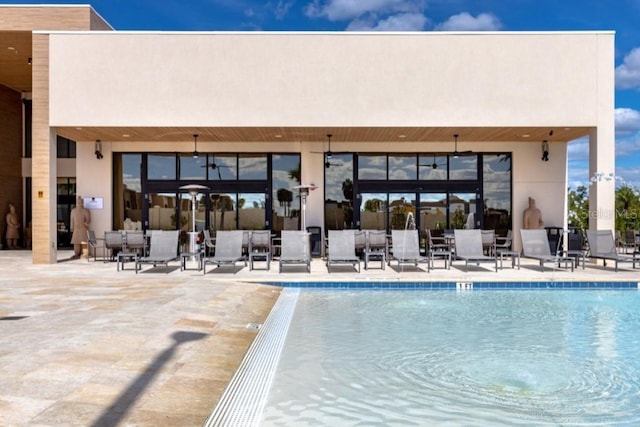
x=29, y=60
x=545, y=151
x=98, y=147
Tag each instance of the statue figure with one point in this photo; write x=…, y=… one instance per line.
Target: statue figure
x=80, y=220
x=532, y=217
x=13, y=228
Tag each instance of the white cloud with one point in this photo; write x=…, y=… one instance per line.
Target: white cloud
x=340, y=10
x=282, y=8
x=627, y=121
x=466, y=22
x=578, y=150
x=628, y=73
x=399, y=22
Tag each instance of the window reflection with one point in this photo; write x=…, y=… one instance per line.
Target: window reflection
x=432, y=167
x=222, y=213
x=252, y=166
x=463, y=167
x=373, y=211
x=127, y=183
x=433, y=211
x=161, y=166
x=251, y=211
x=193, y=168
x=222, y=167
x=402, y=211
x=162, y=213
x=286, y=200
x=402, y=167
x=496, y=173
x=372, y=167
x=462, y=209
x=338, y=204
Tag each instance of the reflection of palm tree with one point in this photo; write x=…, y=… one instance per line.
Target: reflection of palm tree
x=347, y=191
x=285, y=197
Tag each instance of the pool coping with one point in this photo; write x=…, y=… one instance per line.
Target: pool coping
x=457, y=285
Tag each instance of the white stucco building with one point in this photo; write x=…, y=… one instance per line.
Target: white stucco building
x=263, y=103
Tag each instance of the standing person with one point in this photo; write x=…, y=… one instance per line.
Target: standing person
x=80, y=220
x=13, y=228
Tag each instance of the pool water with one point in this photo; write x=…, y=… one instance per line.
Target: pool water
x=472, y=358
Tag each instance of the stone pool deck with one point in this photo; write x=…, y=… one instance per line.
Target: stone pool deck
x=83, y=344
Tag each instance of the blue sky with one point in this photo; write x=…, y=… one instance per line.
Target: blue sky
x=622, y=16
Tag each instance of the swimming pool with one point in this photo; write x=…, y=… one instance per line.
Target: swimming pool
x=459, y=358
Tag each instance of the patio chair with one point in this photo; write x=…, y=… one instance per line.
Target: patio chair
x=406, y=248
x=209, y=246
x=113, y=243
x=163, y=249
x=504, y=243
x=438, y=247
x=95, y=245
x=535, y=245
x=134, y=245
x=470, y=248
x=295, y=248
x=377, y=246
x=602, y=246
x=488, y=241
x=260, y=247
x=228, y=249
x=342, y=249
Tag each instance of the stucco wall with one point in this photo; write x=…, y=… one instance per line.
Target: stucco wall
x=337, y=79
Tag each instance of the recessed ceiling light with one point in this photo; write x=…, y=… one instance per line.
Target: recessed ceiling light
x=78, y=128
x=125, y=135
x=567, y=128
x=524, y=135
x=402, y=136
x=278, y=136
x=11, y=48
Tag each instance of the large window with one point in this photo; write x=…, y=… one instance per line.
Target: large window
x=338, y=192
x=496, y=171
x=127, y=189
x=286, y=199
x=66, y=148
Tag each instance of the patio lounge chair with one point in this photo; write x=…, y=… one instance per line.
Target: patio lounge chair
x=295, y=248
x=95, y=246
x=163, y=249
x=535, y=245
x=260, y=247
x=602, y=246
x=228, y=249
x=406, y=248
x=342, y=249
x=469, y=247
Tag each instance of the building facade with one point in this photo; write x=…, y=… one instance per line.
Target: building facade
x=388, y=130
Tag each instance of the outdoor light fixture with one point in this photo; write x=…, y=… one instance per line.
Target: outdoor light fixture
x=545, y=151
x=195, y=146
x=98, y=151
x=29, y=60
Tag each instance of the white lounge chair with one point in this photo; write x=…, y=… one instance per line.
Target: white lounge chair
x=295, y=248
x=469, y=247
x=406, y=248
x=228, y=249
x=163, y=249
x=602, y=245
x=342, y=249
x=535, y=245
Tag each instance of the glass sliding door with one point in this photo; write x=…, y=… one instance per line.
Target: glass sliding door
x=402, y=211
x=163, y=212
x=373, y=211
x=251, y=211
x=433, y=211
x=462, y=210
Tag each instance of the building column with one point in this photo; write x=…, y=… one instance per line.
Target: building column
x=44, y=213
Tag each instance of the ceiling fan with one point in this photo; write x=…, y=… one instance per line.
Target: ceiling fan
x=435, y=164
x=328, y=155
x=457, y=153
